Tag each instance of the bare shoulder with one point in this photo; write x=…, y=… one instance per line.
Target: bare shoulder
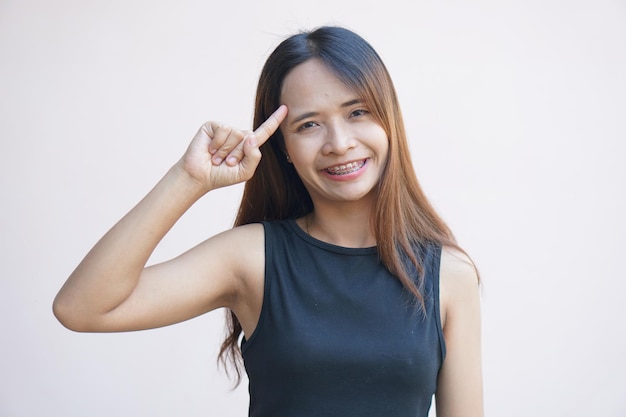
x=242, y=246
x=246, y=235
x=457, y=271
x=229, y=258
x=458, y=279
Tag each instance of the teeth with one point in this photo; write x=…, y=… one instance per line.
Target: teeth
x=345, y=169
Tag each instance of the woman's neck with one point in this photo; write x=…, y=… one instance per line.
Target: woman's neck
x=346, y=224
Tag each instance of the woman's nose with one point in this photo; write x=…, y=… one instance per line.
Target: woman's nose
x=339, y=138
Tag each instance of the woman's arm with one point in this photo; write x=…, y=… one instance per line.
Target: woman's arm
x=112, y=290
x=460, y=387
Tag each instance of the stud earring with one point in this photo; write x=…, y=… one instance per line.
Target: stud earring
x=288, y=158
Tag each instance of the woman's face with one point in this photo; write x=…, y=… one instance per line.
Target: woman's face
x=334, y=143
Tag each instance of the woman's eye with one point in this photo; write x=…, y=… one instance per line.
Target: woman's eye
x=359, y=112
x=306, y=125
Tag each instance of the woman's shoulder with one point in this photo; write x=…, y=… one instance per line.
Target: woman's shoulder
x=457, y=269
x=458, y=280
x=239, y=244
x=252, y=236
x=243, y=232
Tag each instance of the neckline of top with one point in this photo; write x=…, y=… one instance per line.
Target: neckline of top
x=329, y=246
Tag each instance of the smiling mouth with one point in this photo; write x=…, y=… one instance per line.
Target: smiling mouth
x=345, y=169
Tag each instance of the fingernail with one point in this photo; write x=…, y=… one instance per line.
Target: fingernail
x=232, y=160
x=217, y=160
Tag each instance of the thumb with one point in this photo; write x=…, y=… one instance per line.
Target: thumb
x=251, y=152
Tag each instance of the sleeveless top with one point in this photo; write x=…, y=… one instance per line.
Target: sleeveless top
x=338, y=335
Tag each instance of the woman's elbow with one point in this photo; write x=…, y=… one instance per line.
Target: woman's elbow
x=66, y=313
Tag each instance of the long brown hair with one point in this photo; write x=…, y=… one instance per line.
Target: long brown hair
x=403, y=219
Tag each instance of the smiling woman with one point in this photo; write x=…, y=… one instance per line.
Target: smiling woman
x=352, y=296
x=337, y=148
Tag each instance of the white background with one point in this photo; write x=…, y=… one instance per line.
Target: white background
x=516, y=114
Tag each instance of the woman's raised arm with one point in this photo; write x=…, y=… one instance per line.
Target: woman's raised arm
x=112, y=290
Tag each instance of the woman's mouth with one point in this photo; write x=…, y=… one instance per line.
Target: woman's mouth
x=345, y=169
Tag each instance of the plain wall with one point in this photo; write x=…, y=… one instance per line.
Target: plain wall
x=516, y=115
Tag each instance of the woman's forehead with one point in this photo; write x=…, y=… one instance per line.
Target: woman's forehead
x=313, y=82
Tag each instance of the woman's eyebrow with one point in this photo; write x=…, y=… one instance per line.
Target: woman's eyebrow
x=304, y=116
x=352, y=102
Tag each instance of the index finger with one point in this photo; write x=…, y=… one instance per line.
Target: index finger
x=270, y=126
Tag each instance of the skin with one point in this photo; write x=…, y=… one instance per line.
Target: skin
x=326, y=126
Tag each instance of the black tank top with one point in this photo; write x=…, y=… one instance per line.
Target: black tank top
x=338, y=335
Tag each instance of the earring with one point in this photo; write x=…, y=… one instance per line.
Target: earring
x=288, y=158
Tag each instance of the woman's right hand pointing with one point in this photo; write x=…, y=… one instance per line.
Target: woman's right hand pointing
x=220, y=155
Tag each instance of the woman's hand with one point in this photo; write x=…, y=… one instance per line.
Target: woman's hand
x=220, y=155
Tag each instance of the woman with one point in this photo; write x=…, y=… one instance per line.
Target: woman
x=350, y=291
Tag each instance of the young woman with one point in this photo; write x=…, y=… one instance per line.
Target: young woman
x=351, y=293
